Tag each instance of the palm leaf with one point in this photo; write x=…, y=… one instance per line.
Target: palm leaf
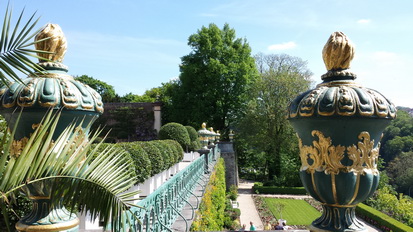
x=13, y=44
x=97, y=185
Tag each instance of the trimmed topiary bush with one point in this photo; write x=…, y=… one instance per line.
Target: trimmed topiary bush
x=168, y=160
x=141, y=160
x=154, y=155
x=172, y=153
x=175, y=131
x=179, y=152
x=195, y=144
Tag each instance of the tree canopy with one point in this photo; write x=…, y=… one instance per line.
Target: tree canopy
x=104, y=89
x=264, y=130
x=397, y=137
x=214, y=79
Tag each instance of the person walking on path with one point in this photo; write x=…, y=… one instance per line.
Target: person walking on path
x=252, y=227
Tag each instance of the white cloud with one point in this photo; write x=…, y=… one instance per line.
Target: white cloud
x=282, y=46
x=364, y=21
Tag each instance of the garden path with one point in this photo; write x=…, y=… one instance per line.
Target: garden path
x=248, y=211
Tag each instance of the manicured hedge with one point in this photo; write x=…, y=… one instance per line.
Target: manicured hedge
x=143, y=165
x=168, y=159
x=149, y=157
x=175, y=131
x=279, y=190
x=178, y=149
x=380, y=220
x=193, y=136
x=155, y=155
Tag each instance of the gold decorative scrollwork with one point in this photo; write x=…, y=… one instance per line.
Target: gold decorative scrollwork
x=324, y=156
x=17, y=147
x=364, y=155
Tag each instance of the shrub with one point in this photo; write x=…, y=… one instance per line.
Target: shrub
x=175, y=131
x=141, y=160
x=179, y=152
x=195, y=145
x=193, y=136
x=166, y=152
x=172, y=152
x=380, y=220
x=233, y=192
x=279, y=190
x=211, y=213
x=154, y=155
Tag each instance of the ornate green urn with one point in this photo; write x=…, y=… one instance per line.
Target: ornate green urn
x=339, y=125
x=51, y=89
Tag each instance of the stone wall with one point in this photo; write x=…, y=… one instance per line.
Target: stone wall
x=231, y=164
x=130, y=121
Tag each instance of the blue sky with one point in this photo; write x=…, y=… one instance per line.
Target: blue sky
x=135, y=45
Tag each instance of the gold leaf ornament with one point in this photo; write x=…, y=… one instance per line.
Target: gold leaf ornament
x=323, y=156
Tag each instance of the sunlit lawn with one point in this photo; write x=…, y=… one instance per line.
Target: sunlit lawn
x=296, y=212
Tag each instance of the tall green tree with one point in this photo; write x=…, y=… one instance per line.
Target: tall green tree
x=214, y=79
x=104, y=89
x=397, y=137
x=264, y=128
x=400, y=171
x=151, y=95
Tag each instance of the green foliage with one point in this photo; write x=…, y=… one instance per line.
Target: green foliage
x=104, y=89
x=211, y=213
x=143, y=165
x=380, y=220
x=233, y=192
x=400, y=172
x=399, y=207
x=296, y=212
x=127, y=123
x=151, y=95
x=173, y=152
x=179, y=152
x=87, y=181
x=21, y=206
x=279, y=190
x=266, y=142
x=166, y=152
x=214, y=79
x=193, y=136
x=155, y=156
x=175, y=131
x=15, y=47
x=397, y=137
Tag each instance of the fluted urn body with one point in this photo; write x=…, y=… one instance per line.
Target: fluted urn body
x=339, y=125
x=51, y=89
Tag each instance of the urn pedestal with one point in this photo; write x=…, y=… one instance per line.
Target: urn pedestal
x=339, y=125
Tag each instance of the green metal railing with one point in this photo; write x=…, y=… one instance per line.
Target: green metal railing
x=160, y=209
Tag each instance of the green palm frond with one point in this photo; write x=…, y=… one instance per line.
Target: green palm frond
x=88, y=180
x=14, y=47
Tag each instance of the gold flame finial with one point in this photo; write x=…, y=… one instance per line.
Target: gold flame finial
x=55, y=44
x=203, y=125
x=338, y=52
